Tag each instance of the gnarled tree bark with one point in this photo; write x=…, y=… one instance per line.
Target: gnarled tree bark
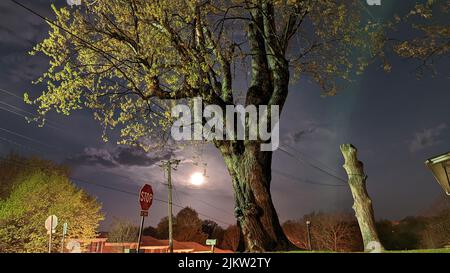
x=250, y=170
x=362, y=202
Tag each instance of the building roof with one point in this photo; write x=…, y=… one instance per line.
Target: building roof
x=151, y=243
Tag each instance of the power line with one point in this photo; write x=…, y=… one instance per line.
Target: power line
x=137, y=195
x=16, y=108
x=26, y=137
x=10, y=93
x=19, y=145
x=12, y=112
x=70, y=33
x=208, y=204
x=304, y=155
x=22, y=115
x=105, y=54
x=313, y=165
x=306, y=181
x=32, y=114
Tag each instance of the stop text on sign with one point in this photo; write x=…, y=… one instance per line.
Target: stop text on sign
x=146, y=197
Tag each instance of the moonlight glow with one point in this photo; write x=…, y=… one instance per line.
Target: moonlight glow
x=197, y=179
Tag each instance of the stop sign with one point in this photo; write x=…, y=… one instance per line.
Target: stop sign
x=146, y=197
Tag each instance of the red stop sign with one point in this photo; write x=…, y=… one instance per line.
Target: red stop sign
x=146, y=197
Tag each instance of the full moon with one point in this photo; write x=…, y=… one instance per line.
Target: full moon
x=197, y=179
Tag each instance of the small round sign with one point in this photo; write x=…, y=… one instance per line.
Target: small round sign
x=51, y=223
x=74, y=246
x=146, y=197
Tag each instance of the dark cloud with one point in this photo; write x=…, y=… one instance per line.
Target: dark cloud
x=297, y=136
x=427, y=137
x=118, y=156
x=20, y=28
x=132, y=156
x=93, y=156
x=307, y=131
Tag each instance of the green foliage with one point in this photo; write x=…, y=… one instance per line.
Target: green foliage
x=430, y=21
x=187, y=226
x=212, y=230
x=123, y=58
x=406, y=234
x=430, y=232
x=437, y=231
x=14, y=165
x=33, y=198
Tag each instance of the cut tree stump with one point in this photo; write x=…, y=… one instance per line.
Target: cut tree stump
x=362, y=203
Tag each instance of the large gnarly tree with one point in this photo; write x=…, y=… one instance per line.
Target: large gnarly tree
x=126, y=59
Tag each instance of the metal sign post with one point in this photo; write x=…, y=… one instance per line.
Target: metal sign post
x=63, y=237
x=212, y=243
x=50, y=225
x=308, y=230
x=145, y=200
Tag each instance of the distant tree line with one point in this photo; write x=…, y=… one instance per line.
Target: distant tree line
x=429, y=231
x=339, y=232
x=187, y=226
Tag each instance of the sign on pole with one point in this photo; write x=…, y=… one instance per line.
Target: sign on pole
x=145, y=200
x=212, y=243
x=50, y=225
x=65, y=226
x=146, y=197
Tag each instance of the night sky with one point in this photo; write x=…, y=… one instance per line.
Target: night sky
x=395, y=120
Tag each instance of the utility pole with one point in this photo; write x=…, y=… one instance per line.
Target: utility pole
x=168, y=165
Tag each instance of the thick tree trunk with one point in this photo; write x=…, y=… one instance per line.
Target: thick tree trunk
x=362, y=203
x=250, y=170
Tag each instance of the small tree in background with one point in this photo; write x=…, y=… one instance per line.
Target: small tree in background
x=231, y=238
x=212, y=230
x=33, y=197
x=162, y=229
x=436, y=233
x=329, y=231
x=123, y=231
x=188, y=226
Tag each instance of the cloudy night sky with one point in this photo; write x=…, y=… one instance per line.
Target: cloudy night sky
x=395, y=120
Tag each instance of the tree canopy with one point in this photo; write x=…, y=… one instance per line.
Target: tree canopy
x=121, y=58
